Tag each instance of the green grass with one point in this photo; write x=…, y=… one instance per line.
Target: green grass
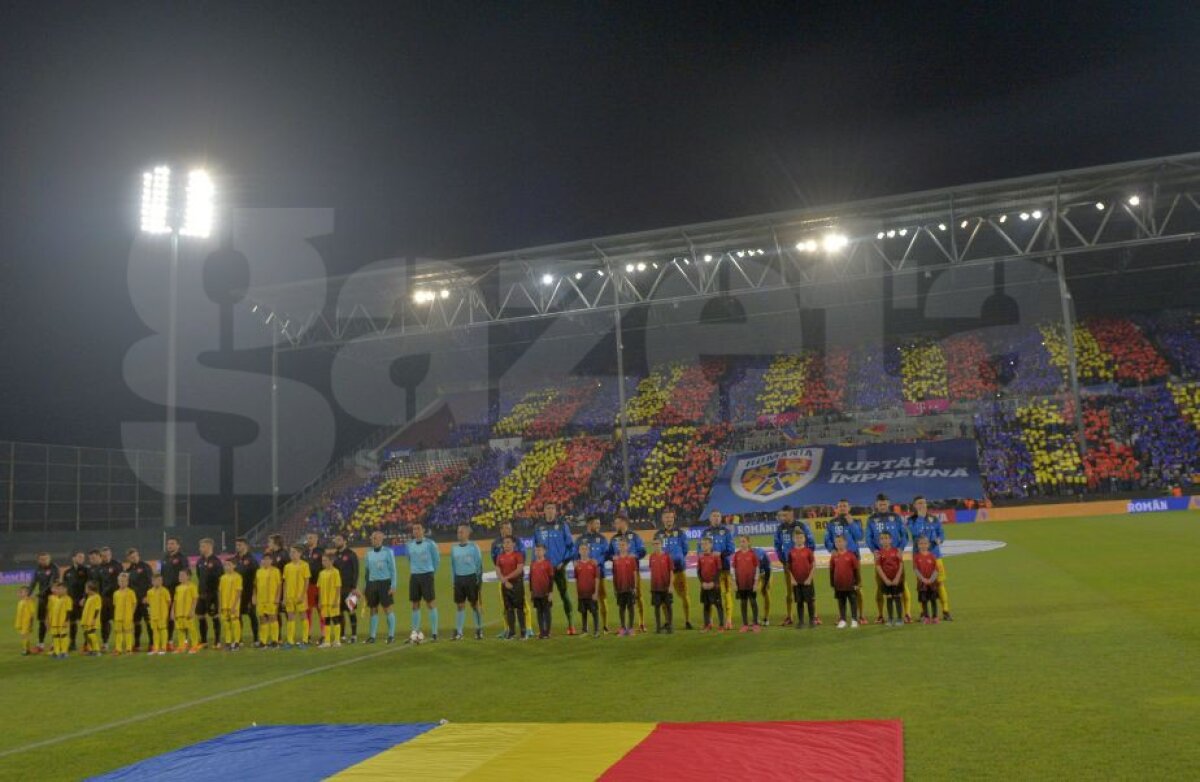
x=1076, y=653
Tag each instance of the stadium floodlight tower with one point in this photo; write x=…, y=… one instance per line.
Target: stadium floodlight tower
x=162, y=216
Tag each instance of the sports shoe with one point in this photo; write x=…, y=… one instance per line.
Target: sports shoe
x=478, y=633
x=170, y=646
x=879, y=620
x=745, y=629
x=907, y=619
x=258, y=644
x=946, y=617
x=854, y=625
x=815, y=622
x=669, y=630
x=570, y=629
x=370, y=640
x=323, y=645
x=595, y=634
x=787, y=620
x=337, y=644
x=641, y=628
x=352, y=639
x=457, y=636
x=766, y=622
x=729, y=625
x=723, y=629
x=935, y=620
x=433, y=638
x=756, y=628
x=528, y=633
x=688, y=626
x=706, y=629
x=842, y=624
x=391, y=639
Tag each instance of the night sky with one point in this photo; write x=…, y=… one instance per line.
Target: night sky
x=483, y=127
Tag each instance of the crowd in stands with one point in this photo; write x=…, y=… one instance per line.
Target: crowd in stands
x=1141, y=436
x=923, y=372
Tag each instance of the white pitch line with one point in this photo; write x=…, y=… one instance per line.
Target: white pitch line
x=188, y=704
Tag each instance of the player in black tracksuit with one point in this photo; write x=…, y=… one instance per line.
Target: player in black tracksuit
x=44, y=575
x=247, y=567
x=346, y=561
x=208, y=580
x=109, y=570
x=174, y=562
x=76, y=577
x=140, y=576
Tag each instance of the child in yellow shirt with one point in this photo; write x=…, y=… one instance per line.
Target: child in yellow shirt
x=296, y=575
x=184, y=608
x=26, y=613
x=124, y=606
x=58, y=617
x=90, y=619
x=268, y=581
x=158, y=603
x=229, y=591
x=329, y=600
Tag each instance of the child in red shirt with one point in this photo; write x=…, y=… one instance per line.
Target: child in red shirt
x=745, y=573
x=625, y=577
x=510, y=569
x=925, y=566
x=586, y=575
x=661, y=573
x=541, y=580
x=801, y=564
x=708, y=570
x=845, y=579
x=889, y=562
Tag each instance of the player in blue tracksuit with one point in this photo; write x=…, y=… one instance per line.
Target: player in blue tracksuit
x=675, y=545
x=764, y=583
x=598, y=552
x=722, y=543
x=506, y=531
x=637, y=547
x=922, y=522
x=783, y=543
x=555, y=534
x=882, y=520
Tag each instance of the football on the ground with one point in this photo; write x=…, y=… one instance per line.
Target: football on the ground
x=416, y=636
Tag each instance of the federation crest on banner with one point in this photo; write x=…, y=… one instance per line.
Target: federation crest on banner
x=768, y=477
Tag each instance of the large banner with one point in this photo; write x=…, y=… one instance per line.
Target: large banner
x=751, y=482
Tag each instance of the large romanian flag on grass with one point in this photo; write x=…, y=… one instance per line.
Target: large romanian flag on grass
x=610, y=751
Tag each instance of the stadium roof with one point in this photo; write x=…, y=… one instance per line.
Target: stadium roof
x=1091, y=217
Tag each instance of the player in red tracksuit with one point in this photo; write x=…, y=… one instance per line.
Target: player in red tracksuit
x=845, y=579
x=801, y=565
x=587, y=576
x=925, y=565
x=541, y=581
x=708, y=570
x=625, y=577
x=889, y=563
x=510, y=569
x=745, y=575
x=662, y=571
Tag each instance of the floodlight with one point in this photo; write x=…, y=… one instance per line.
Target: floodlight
x=1037, y=214
x=1134, y=200
x=198, y=212
x=445, y=293
x=1003, y=218
x=903, y=232
x=547, y=279
x=941, y=226
x=834, y=242
x=156, y=189
x=641, y=267
x=578, y=275
x=879, y=235
x=629, y=268
x=708, y=259
x=891, y=234
x=1024, y=215
x=963, y=224
x=1100, y=205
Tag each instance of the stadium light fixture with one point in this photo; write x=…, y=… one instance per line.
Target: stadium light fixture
x=1037, y=214
x=941, y=226
x=1134, y=200
x=156, y=196
x=879, y=235
x=1003, y=218
x=891, y=234
x=599, y=272
x=547, y=279
x=1024, y=215
x=579, y=275
x=641, y=267
x=834, y=242
x=198, y=205
x=708, y=259
x=903, y=232
x=629, y=268
x=963, y=224
x=445, y=293
x=1100, y=205
x=655, y=264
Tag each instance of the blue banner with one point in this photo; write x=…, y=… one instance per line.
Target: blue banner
x=822, y=475
x=1159, y=504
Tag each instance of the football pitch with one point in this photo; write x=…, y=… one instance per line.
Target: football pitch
x=1075, y=653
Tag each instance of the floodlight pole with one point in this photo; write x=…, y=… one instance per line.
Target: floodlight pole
x=1064, y=295
x=274, y=429
x=620, y=343
x=169, y=458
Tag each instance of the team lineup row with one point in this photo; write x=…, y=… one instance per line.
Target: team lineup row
x=279, y=594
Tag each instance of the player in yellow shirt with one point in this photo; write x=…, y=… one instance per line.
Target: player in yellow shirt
x=124, y=605
x=329, y=600
x=89, y=619
x=58, y=617
x=186, y=632
x=296, y=575
x=158, y=603
x=268, y=582
x=229, y=591
x=26, y=614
